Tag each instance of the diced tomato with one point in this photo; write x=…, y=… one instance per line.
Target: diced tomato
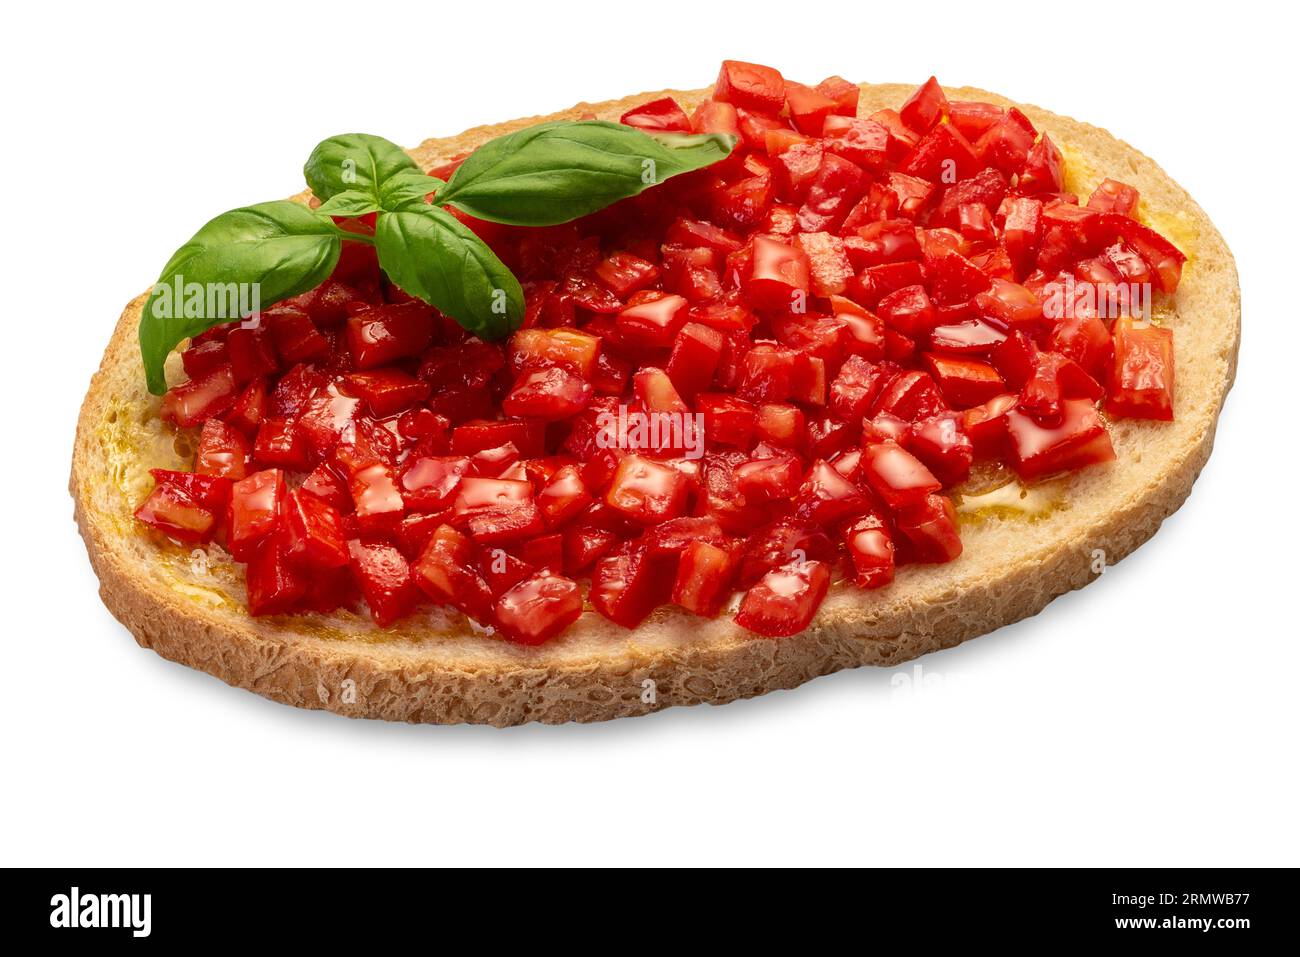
x=192, y=402
x=246, y=414
x=647, y=491
x=826, y=496
x=896, y=475
x=781, y=274
x=926, y=107
x=909, y=311
x=704, y=573
x=275, y=584
x=477, y=435
x=252, y=353
x=1080, y=439
x=828, y=266
x=429, y=484
x=204, y=358
x=784, y=601
x=496, y=510
x=986, y=424
x=447, y=572
x=380, y=334
x=943, y=156
x=627, y=585
x=280, y=442
x=964, y=382
x=547, y=394
x=295, y=336
x=625, y=273
x=661, y=115
x=1142, y=380
x=973, y=119
x=256, y=503
x=872, y=552
x=652, y=324
x=385, y=579
x=174, y=512
x=808, y=107
x=1006, y=143
x=377, y=499
x=713, y=116
x=930, y=528
x=695, y=356
x=538, y=608
x=387, y=391
x=222, y=451
x=832, y=193
x=1044, y=168
x=313, y=532
x=750, y=86
x=1112, y=196
x=862, y=142
x=844, y=93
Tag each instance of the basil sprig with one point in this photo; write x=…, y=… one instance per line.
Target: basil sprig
x=539, y=176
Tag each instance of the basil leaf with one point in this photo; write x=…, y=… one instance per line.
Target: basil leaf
x=350, y=202
x=354, y=161
x=432, y=255
x=556, y=172
x=241, y=261
x=407, y=188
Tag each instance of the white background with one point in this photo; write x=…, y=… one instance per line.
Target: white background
x=1149, y=719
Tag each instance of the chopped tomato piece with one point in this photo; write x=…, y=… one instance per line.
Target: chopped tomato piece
x=385, y=579
x=647, y=491
x=872, y=552
x=1080, y=439
x=256, y=503
x=222, y=451
x=784, y=601
x=275, y=584
x=896, y=475
x=380, y=334
x=538, y=608
x=926, y=107
x=750, y=86
x=808, y=107
x=1142, y=381
x=652, y=324
x=547, y=394
x=661, y=115
x=192, y=402
x=175, y=513
x=313, y=532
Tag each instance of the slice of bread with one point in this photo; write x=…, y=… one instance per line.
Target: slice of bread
x=1022, y=547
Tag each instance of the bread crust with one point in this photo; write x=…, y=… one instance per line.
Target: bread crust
x=435, y=668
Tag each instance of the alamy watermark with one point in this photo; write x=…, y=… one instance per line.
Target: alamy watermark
x=681, y=432
x=179, y=299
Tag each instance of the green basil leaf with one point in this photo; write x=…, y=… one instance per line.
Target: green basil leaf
x=354, y=161
x=556, y=172
x=350, y=202
x=238, y=263
x=432, y=255
x=407, y=188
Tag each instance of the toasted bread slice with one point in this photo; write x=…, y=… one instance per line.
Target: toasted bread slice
x=1023, y=547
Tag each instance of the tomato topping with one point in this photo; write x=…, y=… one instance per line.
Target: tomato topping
x=831, y=326
x=751, y=86
x=784, y=601
x=1079, y=439
x=255, y=506
x=1142, y=380
x=662, y=115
